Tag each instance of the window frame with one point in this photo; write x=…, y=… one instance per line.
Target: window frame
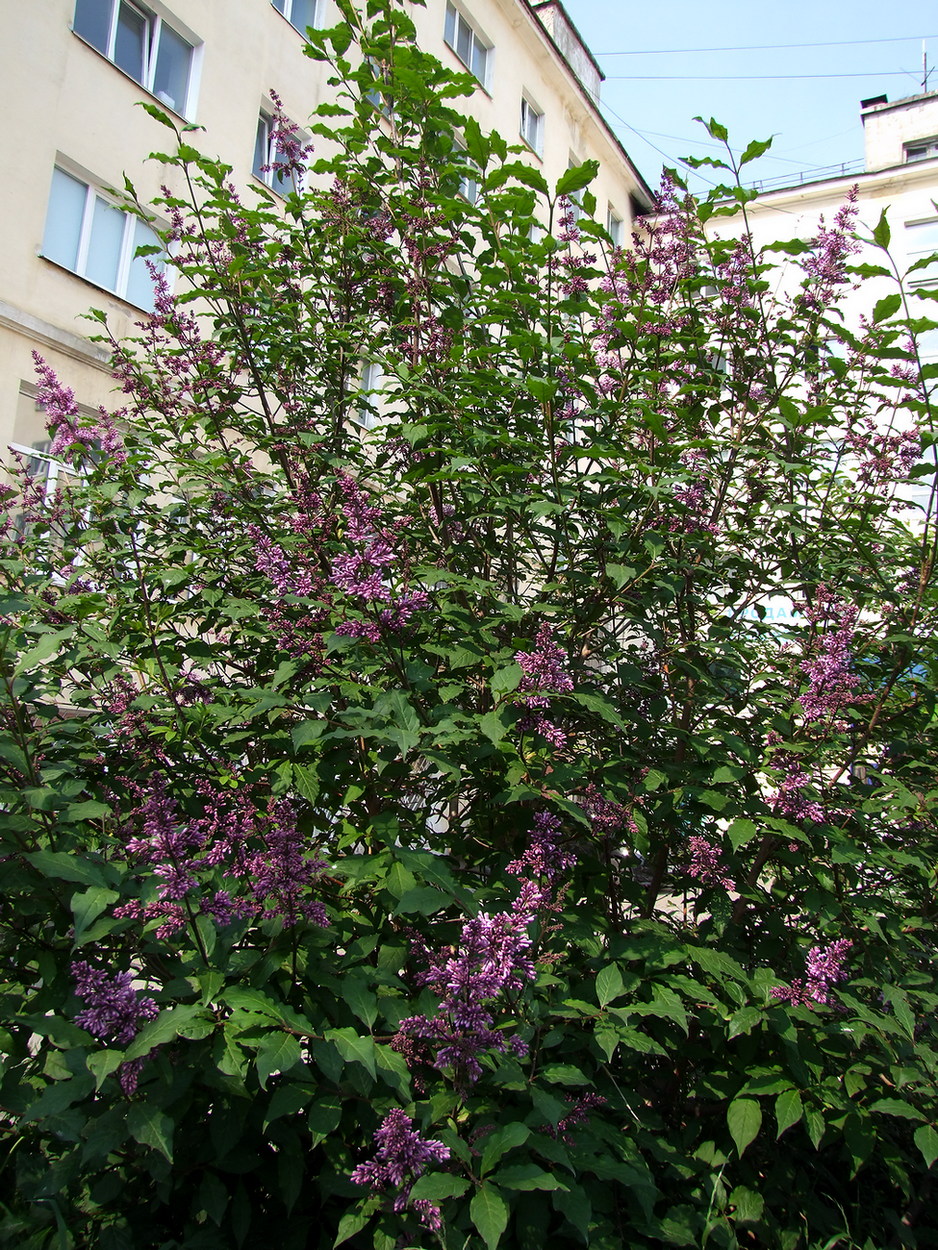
x=127, y=249
x=928, y=147
x=927, y=276
x=536, y=141
x=287, y=13
x=453, y=18
x=272, y=179
x=154, y=24
x=615, y=226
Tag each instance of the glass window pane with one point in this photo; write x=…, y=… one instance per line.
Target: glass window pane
x=130, y=47
x=104, y=251
x=92, y=22
x=922, y=237
x=63, y=221
x=171, y=77
x=280, y=5
x=261, y=147
x=449, y=28
x=303, y=14
x=480, y=58
x=463, y=41
x=139, y=282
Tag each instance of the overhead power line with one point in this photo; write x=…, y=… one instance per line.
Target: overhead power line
x=871, y=73
x=764, y=47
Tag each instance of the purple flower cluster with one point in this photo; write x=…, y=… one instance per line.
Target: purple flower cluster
x=364, y=572
x=292, y=155
x=544, y=673
x=578, y=1114
x=693, y=497
x=492, y=958
x=62, y=419
x=790, y=798
x=262, y=856
x=824, y=967
x=402, y=1156
x=826, y=267
x=706, y=863
x=832, y=686
x=114, y=1013
x=607, y=817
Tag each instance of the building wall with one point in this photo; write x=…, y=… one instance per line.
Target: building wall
x=83, y=117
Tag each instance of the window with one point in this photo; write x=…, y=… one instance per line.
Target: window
x=372, y=381
x=532, y=125
x=614, y=226
x=142, y=45
x=921, y=241
x=921, y=150
x=299, y=13
x=87, y=233
x=267, y=157
x=575, y=197
x=467, y=43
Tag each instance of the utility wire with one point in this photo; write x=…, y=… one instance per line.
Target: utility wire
x=765, y=47
x=872, y=73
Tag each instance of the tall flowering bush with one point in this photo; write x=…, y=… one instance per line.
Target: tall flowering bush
x=418, y=824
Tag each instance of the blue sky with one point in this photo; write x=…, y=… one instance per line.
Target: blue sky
x=807, y=96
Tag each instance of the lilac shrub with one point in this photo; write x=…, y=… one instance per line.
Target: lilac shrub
x=509, y=824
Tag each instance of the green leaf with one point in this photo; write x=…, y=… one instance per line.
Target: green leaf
x=500, y=1142
x=757, y=148
x=278, y=1053
x=886, y=307
x=437, y=1186
x=744, y=1021
x=882, y=233
x=526, y=1176
x=64, y=867
x=151, y=1127
x=489, y=1212
x=350, y=1224
x=714, y=129
x=47, y=645
x=898, y=1107
x=744, y=1118
x=926, y=1138
x=788, y=1110
x=564, y=1074
x=609, y=984
x=354, y=1049
x=164, y=1028
x=87, y=907
x=575, y=179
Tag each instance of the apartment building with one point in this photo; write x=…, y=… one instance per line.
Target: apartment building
x=900, y=177
x=78, y=68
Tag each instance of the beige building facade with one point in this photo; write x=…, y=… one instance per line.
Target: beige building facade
x=900, y=178
x=83, y=66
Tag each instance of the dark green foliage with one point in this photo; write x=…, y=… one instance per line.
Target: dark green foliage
x=650, y=464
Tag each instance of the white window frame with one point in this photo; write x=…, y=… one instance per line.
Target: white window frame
x=154, y=28
x=920, y=150
x=127, y=248
x=370, y=384
x=929, y=275
x=615, y=226
x=285, y=9
x=272, y=178
x=457, y=30
x=532, y=126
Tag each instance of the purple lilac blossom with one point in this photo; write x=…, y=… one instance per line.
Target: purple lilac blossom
x=402, y=1156
x=544, y=673
x=832, y=686
x=492, y=958
x=824, y=967
x=114, y=1013
x=62, y=419
x=706, y=863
